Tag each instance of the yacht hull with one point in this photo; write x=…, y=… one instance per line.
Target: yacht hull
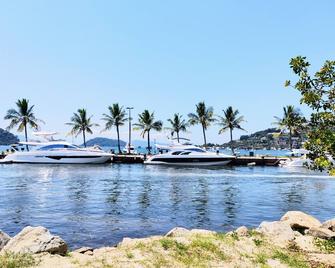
x=57, y=159
x=190, y=162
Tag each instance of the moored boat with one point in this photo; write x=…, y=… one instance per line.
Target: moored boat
x=190, y=156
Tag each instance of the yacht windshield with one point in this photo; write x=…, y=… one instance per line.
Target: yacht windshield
x=195, y=150
x=57, y=146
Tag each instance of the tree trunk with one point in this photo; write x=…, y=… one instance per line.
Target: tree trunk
x=231, y=141
x=26, y=136
x=118, y=138
x=84, y=137
x=290, y=139
x=204, y=133
x=178, y=136
x=149, y=149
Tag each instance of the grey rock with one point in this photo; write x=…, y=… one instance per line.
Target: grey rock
x=300, y=221
x=36, y=240
x=4, y=239
x=280, y=233
x=242, y=231
x=322, y=233
x=84, y=250
x=177, y=232
x=330, y=224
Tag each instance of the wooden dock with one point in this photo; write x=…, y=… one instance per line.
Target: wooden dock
x=128, y=159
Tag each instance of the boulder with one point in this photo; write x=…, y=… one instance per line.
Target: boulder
x=178, y=232
x=36, y=240
x=329, y=225
x=306, y=243
x=4, y=239
x=322, y=233
x=201, y=232
x=84, y=250
x=242, y=231
x=280, y=233
x=300, y=221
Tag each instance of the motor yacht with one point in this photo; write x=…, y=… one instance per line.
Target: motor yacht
x=56, y=152
x=129, y=149
x=189, y=155
x=298, y=158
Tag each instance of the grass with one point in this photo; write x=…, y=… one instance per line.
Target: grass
x=130, y=255
x=261, y=258
x=327, y=246
x=292, y=260
x=16, y=260
x=258, y=242
x=167, y=243
x=197, y=253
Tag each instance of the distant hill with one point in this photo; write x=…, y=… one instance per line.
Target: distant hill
x=7, y=138
x=104, y=142
x=268, y=138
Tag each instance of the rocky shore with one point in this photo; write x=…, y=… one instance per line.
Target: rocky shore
x=296, y=240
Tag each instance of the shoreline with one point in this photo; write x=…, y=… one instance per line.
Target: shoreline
x=296, y=240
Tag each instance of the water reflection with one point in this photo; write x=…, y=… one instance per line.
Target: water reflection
x=230, y=203
x=99, y=205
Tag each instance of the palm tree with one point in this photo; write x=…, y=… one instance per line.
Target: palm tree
x=177, y=124
x=231, y=120
x=146, y=122
x=23, y=117
x=117, y=118
x=81, y=124
x=203, y=116
x=293, y=121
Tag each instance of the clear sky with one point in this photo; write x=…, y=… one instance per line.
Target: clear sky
x=162, y=55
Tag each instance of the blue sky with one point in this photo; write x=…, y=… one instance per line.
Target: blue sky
x=162, y=55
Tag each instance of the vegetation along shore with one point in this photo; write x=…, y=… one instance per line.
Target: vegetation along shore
x=296, y=240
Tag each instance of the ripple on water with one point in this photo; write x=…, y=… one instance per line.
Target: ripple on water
x=99, y=205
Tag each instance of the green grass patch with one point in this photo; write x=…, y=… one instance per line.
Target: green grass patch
x=261, y=258
x=234, y=236
x=16, y=260
x=327, y=246
x=167, y=243
x=130, y=255
x=292, y=260
x=258, y=242
x=198, y=253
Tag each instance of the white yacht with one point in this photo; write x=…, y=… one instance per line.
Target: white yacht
x=56, y=152
x=129, y=148
x=298, y=158
x=189, y=155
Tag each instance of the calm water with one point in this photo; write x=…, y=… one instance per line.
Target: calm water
x=99, y=205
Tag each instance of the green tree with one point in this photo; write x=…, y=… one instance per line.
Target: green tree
x=22, y=117
x=230, y=120
x=318, y=92
x=146, y=123
x=203, y=116
x=81, y=124
x=116, y=117
x=292, y=121
x=178, y=124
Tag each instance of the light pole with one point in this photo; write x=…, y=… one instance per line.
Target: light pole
x=129, y=120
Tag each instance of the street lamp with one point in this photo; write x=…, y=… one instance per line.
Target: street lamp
x=129, y=120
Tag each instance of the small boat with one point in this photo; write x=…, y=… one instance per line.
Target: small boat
x=129, y=149
x=189, y=155
x=56, y=152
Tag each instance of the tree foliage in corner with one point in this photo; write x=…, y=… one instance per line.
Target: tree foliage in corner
x=318, y=92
